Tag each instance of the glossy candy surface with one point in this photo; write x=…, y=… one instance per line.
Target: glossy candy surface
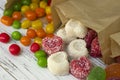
x=4, y=37
x=16, y=35
x=14, y=49
x=34, y=47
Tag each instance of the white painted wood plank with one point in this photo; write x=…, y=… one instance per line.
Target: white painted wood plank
x=4, y=75
x=2, y=3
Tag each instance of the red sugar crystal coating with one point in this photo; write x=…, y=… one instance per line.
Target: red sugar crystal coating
x=89, y=37
x=80, y=68
x=52, y=44
x=95, y=48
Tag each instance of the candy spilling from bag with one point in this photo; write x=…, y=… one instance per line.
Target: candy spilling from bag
x=83, y=30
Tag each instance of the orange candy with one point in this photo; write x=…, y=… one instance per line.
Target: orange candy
x=49, y=35
x=31, y=33
x=25, y=40
x=113, y=70
x=6, y=20
x=17, y=15
x=41, y=33
x=40, y=12
x=31, y=15
x=49, y=18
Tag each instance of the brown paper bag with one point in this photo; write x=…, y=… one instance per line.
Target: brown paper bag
x=103, y=16
x=115, y=44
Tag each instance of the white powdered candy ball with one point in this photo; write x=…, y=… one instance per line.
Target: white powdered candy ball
x=75, y=28
x=69, y=27
x=77, y=48
x=58, y=63
x=62, y=33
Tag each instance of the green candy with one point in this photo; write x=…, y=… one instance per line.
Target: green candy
x=8, y=12
x=17, y=6
x=16, y=35
x=42, y=62
x=26, y=2
x=39, y=54
x=97, y=73
x=16, y=24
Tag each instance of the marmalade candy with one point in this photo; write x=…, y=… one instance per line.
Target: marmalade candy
x=113, y=70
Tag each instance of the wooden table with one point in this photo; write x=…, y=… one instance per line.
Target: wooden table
x=24, y=67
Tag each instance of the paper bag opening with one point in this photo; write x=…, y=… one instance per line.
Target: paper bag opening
x=97, y=15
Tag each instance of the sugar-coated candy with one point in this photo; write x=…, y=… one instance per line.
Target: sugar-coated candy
x=52, y=44
x=80, y=68
x=58, y=63
x=75, y=29
x=77, y=48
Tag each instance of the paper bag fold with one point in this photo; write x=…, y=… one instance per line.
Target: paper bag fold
x=102, y=16
x=115, y=44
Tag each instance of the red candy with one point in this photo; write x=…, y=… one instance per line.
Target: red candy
x=34, y=47
x=89, y=37
x=4, y=37
x=14, y=49
x=95, y=48
x=52, y=44
x=80, y=68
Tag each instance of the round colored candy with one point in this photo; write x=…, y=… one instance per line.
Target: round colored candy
x=4, y=37
x=97, y=73
x=16, y=35
x=8, y=12
x=24, y=8
x=38, y=40
x=31, y=33
x=34, y=47
x=40, y=53
x=42, y=62
x=16, y=24
x=17, y=15
x=49, y=28
x=25, y=40
x=26, y=2
x=37, y=24
x=26, y=24
x=113, y=70
x=14, y=49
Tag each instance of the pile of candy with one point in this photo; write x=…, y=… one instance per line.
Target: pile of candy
x=28, y=14
x=62, y=53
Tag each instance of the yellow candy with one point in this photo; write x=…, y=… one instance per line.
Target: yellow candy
x=37, y=24
x=26, y=24
x=48, y=10
x=43, y=4
x=24, y=9
x=49, y=28
x=33, y=6
x=38, y=40
x=35, y=1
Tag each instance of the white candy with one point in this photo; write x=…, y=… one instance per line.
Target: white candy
x=58, y=63
x=77, y=48
x=75, y=29
x=62, y=33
